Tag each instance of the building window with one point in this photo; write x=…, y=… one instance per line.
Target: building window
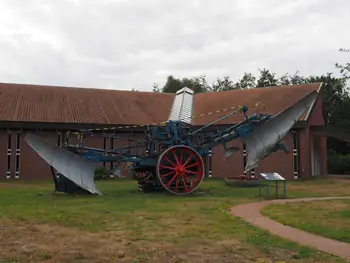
x=210, y=173
x=112, y=145
x=244, y=158
x=59, y=139
x=296, y=153
x=9, y=146
x=18, y=154
x=105, y=148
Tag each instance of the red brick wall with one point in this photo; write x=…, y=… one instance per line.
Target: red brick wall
x=316, y=118
x=304, y=153
x=232, y=166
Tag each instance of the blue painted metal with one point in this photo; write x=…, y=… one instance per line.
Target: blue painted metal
x=172, y=133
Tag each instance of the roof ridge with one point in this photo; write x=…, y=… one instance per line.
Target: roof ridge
x=71, y=87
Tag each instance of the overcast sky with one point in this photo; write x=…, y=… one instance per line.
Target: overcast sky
x=125, y=44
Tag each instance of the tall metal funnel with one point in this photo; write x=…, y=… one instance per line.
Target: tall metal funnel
x=261, y=141
x=182, y=108
x=70, y=165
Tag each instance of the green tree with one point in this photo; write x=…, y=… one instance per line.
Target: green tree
x=336, y=103
x=248, y=81
x=155, y=87
x=223, y=84
x=284, y=80
x=266, y=79
x=344, y=69
x=172, y=85
x=197, y=84
x=297, y=80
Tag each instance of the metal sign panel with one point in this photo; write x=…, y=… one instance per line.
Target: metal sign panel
x=272, y=177
x=182, y=108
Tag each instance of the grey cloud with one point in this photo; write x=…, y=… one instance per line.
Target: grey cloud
x=132, y=44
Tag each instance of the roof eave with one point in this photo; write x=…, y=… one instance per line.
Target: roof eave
x=23, y=125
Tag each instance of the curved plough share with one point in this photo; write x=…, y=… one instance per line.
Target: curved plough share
x=70, y=165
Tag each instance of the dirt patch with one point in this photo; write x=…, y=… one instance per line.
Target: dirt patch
x=341, y=180
x=38, y=243
x=45, y=243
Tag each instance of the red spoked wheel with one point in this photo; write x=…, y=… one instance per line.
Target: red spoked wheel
x=180, y=169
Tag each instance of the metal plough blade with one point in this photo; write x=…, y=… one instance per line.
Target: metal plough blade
x=70, y=165
x=261, y=141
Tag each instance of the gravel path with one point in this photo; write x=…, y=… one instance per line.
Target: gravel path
x=251, y=213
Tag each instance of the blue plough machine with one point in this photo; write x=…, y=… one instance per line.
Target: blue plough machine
x=178, y=166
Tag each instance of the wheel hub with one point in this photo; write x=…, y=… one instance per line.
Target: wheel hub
x=180, y=170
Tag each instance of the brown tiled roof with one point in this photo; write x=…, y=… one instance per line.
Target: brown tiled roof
x=33, y=103
x=273, y=100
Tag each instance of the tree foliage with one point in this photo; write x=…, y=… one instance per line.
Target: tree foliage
x=223, y=84
x=266, y=79
x=197, y=84
x=248, y=81
x=344, y=70
x=200, y=84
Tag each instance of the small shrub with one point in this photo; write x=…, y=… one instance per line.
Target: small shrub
x=338, y=163
x=102, y=173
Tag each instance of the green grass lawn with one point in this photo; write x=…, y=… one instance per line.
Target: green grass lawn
x=127, y=226
x=329, y=218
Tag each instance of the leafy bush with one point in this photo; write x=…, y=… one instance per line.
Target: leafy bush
x=338, y=163
x=102, y=173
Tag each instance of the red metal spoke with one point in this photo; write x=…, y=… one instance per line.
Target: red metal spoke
x=163, y=175
x=172, y=179
x=190, y=172
x=189, y=158
x=166, y=167
x=176, y=159
x=194, y=164
x=166, y=158
x=183, y=180
x=181, y=157
x=177, y=183
x=188, y=178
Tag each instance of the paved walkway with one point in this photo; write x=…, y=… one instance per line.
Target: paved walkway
x=251, y=213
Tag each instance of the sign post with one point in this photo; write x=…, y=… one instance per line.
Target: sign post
x=272, y=177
